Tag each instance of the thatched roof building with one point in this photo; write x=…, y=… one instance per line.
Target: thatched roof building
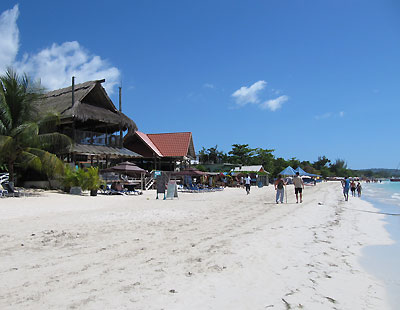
x=91, y=105
x=91, y=119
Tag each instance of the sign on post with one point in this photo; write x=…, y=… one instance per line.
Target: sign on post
x=172, y=190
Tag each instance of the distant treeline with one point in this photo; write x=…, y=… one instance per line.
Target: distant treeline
x=243, y=154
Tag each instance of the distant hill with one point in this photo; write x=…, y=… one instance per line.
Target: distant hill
x=383, y=172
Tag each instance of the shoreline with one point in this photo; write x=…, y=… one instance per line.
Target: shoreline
x=221, y=250
x=380, y=260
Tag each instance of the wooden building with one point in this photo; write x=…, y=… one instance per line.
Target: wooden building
x=91, y=120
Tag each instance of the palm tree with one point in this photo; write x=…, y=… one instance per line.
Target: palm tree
x=27, y=137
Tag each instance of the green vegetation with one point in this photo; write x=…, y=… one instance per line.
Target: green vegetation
x=93, y=180
x=27, y=139
x=85, y=178
x=243, y=154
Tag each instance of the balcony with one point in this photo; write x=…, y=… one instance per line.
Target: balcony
x=97, y=138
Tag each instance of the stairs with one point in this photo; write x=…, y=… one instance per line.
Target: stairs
x=149, y=183
x=4, y=177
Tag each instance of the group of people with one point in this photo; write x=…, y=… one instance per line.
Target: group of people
x=347, y=185
x=298, y=183
x=280, y=188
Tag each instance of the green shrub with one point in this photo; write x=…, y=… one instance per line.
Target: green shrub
x=87, y=179
x=92, y=181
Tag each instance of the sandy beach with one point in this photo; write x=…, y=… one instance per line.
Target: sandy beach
x=219, y=250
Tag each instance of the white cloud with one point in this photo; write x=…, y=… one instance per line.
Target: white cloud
x=54, y=65
x=9, y=37
x=208, y=85
x=276, y=91
x=323, y=116
x=341, y=113
x=274, y=104
x=246, y=95
x=57, y=64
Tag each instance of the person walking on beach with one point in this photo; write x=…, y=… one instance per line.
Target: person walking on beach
x=359, y=189
x=298, y=187
x=353, y=188
x=247, y=181
x=279, y=187
x=346, y=187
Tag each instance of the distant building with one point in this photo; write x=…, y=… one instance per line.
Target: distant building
x=254, y=172
x=255, y=168
x=91, y=120
x=162, y=151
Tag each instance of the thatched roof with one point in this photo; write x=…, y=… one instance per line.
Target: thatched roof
x=91, y=103
x=103, y=150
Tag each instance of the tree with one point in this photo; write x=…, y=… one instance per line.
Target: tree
x=25, y=135
x=339, y=168
x=241, y=154
x=215, y=156
x=203, y=155
x=279, y=165
x=211, y=155
x=321, y=162
x=265, y=158
x=310, y=169
x=293, y=162
x=325, y=172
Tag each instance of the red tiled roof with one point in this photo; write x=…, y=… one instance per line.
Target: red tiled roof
x=174, y=144
x=147, y=140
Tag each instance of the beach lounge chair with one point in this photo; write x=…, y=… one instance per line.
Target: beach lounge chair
x=11, y=191
x=107, y=190
x=3, y=191
x=130, y=190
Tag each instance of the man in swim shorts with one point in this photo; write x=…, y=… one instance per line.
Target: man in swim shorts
x=298, y=187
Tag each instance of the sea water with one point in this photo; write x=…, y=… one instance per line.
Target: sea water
x=383, y=261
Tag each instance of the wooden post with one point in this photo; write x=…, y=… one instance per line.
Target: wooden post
x=73, y=119
x=73, y=91
x=120, y=109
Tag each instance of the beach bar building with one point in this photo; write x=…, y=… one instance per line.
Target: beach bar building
x=162, y=151
x=91, y=120
x=257, y=173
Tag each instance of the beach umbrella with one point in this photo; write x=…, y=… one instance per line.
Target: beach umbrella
x=301, y=171
x=127, y=168
x=288, y=171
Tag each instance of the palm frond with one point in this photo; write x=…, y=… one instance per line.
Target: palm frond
x=27, y=159
x=5, y=120
x=50, y=164
x=19, y=94
x=55, y=142
x=26, y=134
x=7, y=147
x=48, y=123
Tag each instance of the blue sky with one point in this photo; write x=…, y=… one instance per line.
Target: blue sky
x=306, y=78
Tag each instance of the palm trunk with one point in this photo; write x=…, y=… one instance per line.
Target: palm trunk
x=11, y=170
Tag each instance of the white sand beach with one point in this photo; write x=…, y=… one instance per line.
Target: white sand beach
x=219, y=250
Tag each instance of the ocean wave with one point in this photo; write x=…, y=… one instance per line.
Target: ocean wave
x=396, y=196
